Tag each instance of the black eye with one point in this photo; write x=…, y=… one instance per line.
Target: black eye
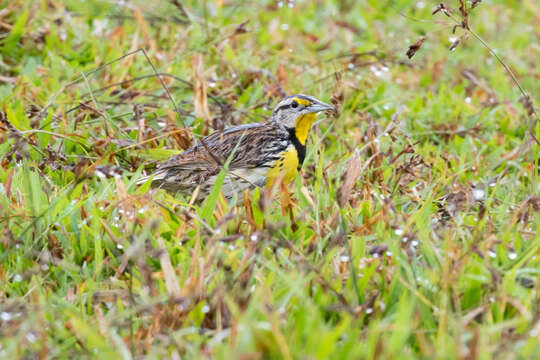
x=294, y=104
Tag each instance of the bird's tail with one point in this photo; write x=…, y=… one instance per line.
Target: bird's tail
x=156, y=177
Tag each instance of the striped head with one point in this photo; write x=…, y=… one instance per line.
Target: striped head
x=298, y=112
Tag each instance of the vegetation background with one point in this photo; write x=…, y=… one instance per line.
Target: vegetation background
x=412, y=231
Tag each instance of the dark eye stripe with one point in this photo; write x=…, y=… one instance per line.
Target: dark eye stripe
x=282, y=107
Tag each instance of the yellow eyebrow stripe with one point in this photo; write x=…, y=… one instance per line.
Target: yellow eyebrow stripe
x=302, y=102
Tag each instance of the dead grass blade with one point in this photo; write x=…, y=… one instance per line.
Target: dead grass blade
x=171, y=282
x=413, y=48
x=353, y=172
x=200, y=98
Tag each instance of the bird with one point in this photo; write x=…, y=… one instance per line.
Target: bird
x=259, y=154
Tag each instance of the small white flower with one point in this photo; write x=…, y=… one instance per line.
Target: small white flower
x=478, y=194
x=31, y=337
x=5, y=316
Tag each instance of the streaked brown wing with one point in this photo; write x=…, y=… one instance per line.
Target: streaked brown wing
x=213, y=150
x=201, y=162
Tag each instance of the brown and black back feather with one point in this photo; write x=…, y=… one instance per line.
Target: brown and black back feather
x=257, y=146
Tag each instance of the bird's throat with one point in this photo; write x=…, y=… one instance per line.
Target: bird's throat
x=303, y=124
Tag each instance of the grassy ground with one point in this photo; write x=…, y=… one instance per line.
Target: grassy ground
x=412, y=231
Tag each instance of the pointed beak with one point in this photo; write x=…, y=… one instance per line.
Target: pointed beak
x=318, y=107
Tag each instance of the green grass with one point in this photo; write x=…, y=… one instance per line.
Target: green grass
x=412, y=231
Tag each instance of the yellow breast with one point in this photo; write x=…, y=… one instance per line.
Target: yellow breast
x=286, y=166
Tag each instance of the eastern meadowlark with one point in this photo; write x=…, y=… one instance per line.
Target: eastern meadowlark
x=259, y=153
